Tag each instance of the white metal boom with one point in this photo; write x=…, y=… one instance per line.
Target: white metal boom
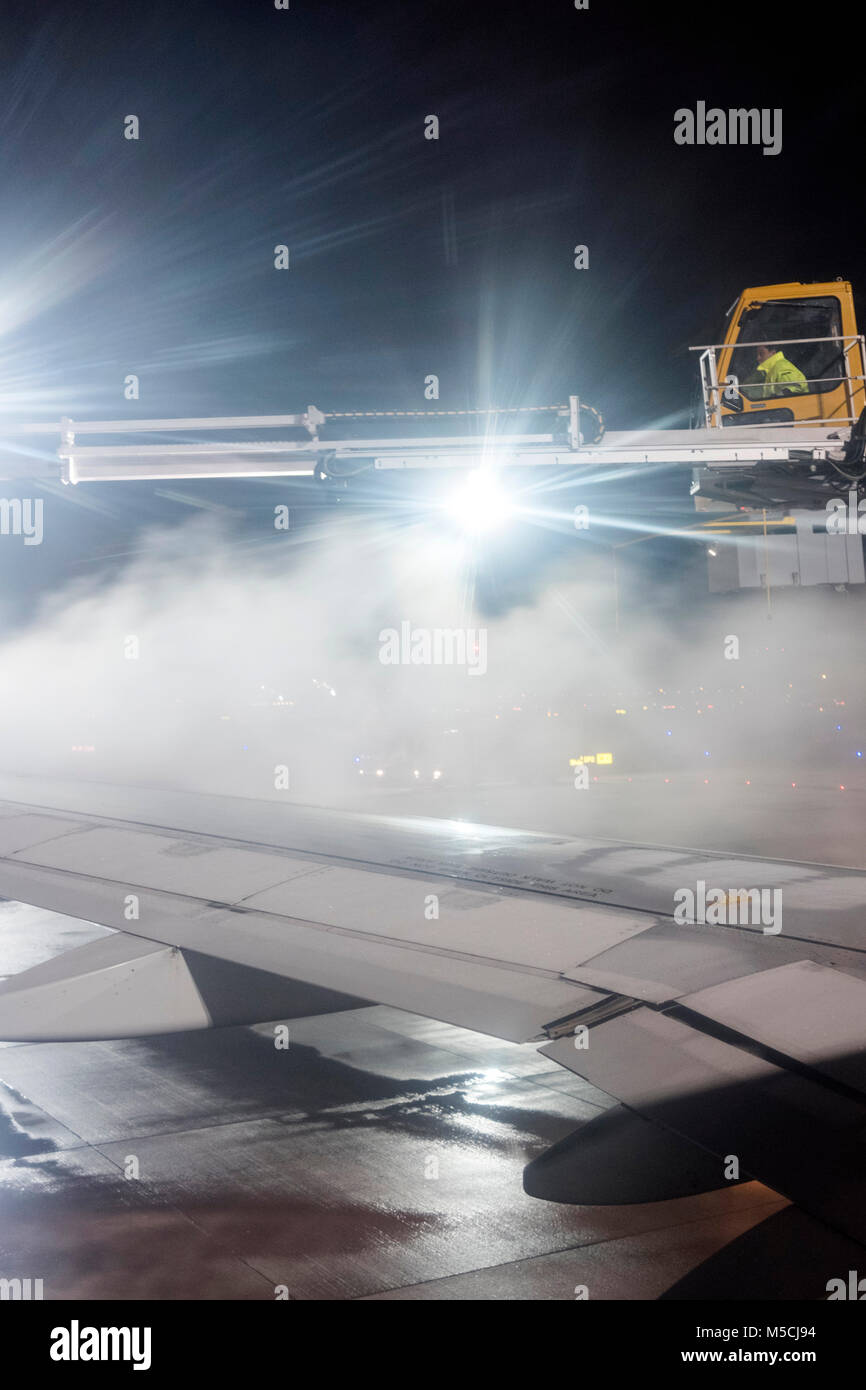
x=563, y=447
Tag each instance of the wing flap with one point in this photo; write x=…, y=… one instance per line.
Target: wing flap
x=785, y=1128
x=814, y=1015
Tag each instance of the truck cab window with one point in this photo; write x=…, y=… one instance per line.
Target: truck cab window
x=780, y=321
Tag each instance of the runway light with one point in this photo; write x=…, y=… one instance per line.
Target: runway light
x=480, y=504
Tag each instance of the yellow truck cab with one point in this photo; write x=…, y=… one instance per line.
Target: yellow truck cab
x=815, y=328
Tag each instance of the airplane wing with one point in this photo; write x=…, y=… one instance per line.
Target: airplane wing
x=735, y=1050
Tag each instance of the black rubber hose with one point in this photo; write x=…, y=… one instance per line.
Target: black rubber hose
x=855, y=451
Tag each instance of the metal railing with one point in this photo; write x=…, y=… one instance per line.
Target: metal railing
x=284, y=457
x=714, y=391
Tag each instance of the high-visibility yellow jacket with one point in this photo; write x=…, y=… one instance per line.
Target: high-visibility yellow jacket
x=781, y=377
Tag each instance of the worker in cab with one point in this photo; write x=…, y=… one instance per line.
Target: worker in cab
x=776, y=376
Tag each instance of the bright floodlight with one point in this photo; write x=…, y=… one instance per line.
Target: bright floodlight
x=479, y=504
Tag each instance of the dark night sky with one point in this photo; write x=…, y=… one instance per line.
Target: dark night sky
x=306, y=127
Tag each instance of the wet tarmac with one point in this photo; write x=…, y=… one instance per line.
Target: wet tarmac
x=379, y=1156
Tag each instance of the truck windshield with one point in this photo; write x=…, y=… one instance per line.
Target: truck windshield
x=779, y=320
